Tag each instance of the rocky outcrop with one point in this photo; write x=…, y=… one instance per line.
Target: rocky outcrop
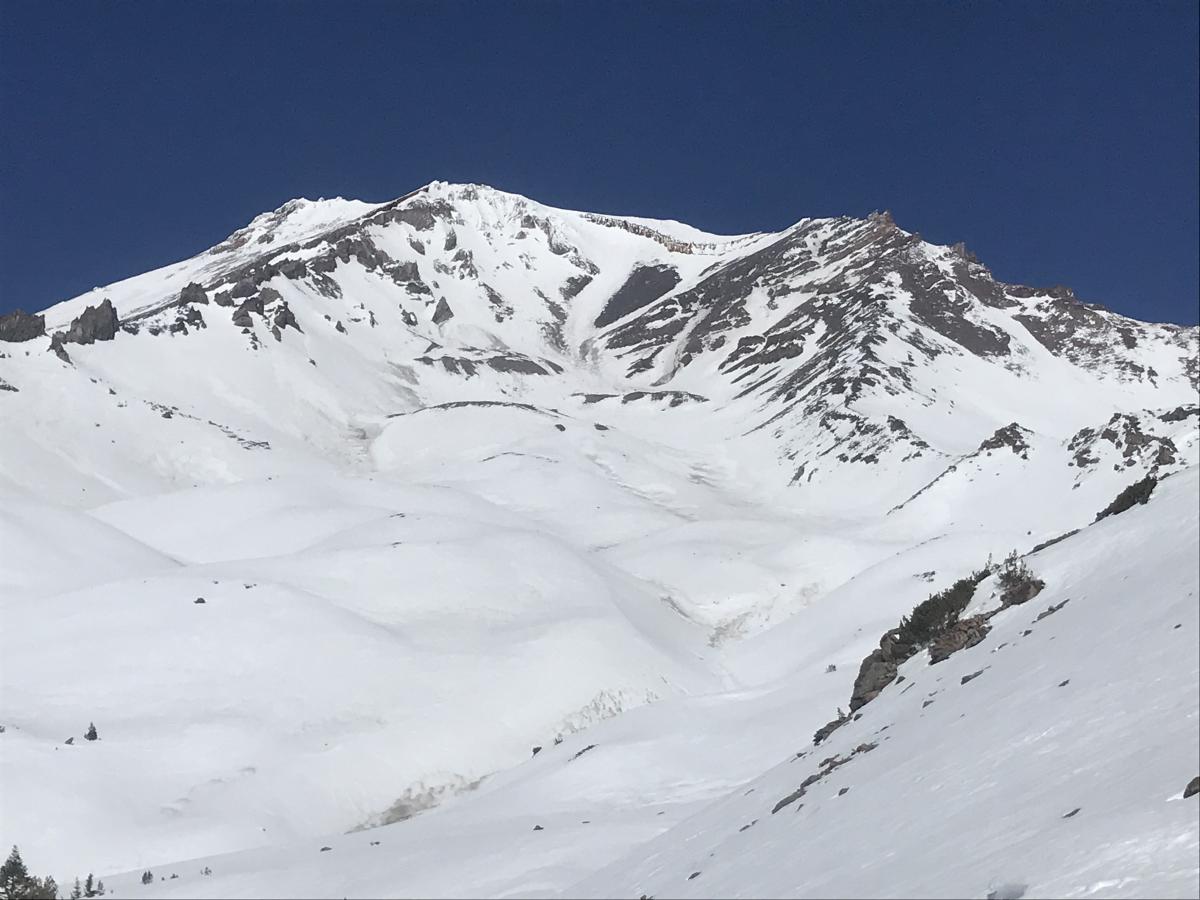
x=962, y=634
x=879, y=669
x=193, y=293
x=1180, y=414
x=20, y=326
x=643, y=286
x=285, y=318
x=243, y=288
x=1012, y=436
x=1137, y=493
x=241, y=315
x=188, y=317
x=96, y=323
x=443, y=313
x=830, y=727
x=57, y=348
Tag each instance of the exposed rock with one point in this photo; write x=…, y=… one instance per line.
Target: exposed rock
x=20, y=326
x=187, y=316
x=830, y=727
x=1011, y=436
x=243, y=288
x=284, y=317
x=876, y=672
x=1179, y=413
x=293, y=268
x=1193, y=788
x=934, y=303
x=573, y=285
x=788, y=800
x=406, y=272
x=193, y=293
x=1136, y=493
x=442, y=313
x=56, y=346
x=520, y=365
x=962, y=634
x=1054, y=540
x=1050, y=610
x=241, y=315
x=1022, y=592
x=970, y=677
x=643, y=286
x=96, y=323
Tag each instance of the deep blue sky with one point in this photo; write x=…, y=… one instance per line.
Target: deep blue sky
x=1058, y=139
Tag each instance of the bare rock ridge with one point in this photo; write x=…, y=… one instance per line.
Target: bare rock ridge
x=96, y=323
x=19, y=326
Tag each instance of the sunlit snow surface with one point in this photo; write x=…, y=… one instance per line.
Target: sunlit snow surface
x=405, y=594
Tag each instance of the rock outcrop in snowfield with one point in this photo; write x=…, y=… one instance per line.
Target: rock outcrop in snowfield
x=461, y=475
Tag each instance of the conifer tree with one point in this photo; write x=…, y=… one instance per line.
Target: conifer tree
x=14, y=877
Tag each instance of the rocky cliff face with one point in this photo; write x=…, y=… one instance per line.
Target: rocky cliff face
x=19, y=326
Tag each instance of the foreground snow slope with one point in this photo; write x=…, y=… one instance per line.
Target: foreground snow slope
x=1057, y=771
x=462, y=474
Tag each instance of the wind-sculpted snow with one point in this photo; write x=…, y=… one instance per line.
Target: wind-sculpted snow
x=549, y=538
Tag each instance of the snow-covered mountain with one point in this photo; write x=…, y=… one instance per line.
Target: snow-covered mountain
x=336, y=522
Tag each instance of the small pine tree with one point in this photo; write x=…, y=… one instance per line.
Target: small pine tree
x=17, y=884
x=77, y=890
x=89, y=886
x=147, y=877
x=14, y=877
x=90, y=734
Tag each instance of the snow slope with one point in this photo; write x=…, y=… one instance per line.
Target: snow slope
x=460, y=475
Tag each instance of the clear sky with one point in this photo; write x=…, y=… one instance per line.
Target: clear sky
x=1058, y=139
